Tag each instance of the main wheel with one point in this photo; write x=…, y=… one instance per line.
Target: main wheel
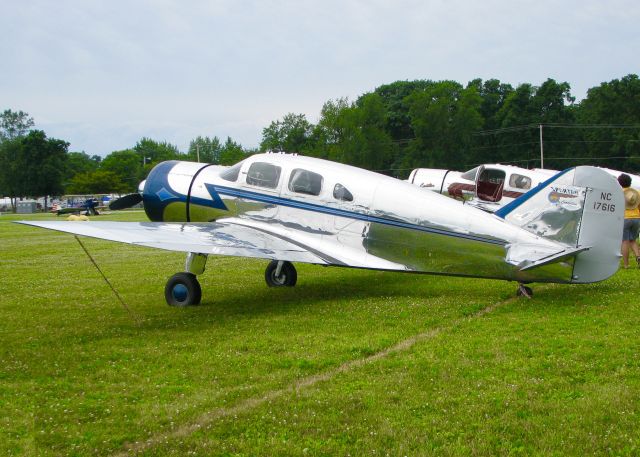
x=288, y=275
x=183, y=289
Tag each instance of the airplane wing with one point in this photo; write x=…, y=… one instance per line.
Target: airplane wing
x=217, y=238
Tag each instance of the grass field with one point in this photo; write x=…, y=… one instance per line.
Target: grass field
x=348, y=362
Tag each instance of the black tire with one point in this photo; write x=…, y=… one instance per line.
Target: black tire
x=183, y=289
x=288, y=275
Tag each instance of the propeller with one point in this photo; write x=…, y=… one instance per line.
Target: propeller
x=128, y=200
x=125, y=202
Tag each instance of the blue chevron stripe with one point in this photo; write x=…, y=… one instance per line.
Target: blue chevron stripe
x=216, y=191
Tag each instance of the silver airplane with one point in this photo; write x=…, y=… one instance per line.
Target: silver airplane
x=289, y=209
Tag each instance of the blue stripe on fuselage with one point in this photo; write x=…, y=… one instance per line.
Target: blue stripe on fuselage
x=216, y=191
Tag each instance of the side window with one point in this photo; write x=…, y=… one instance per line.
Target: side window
x=342, y=193
x=305, y=182
x=520, y=181
x=263, y=174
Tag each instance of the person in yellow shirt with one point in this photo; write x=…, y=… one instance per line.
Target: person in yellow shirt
x=631, y=220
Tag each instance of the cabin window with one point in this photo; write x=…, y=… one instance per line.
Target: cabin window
x=471, y=174
x=263, y=174
x=305, y=182
x=520, y=181
x=231, y=174
x=342, y=193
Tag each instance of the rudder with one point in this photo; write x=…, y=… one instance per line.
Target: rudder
x=581, y=207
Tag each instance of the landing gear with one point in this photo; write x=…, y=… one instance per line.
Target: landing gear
x=183, y=289
x=280, y=273
x=524, y=291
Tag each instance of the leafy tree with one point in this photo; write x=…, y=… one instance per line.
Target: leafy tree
x=14, y=124
x=127, y=166
x=443, y=117
x=80, y=162
x=207, y=149
x=615, y=105
x=33, y=165
x=97, y=182
x=12, y=179
x=291, y=134
x=329, y=132
x=394, y=97
x=369, y=145
x=493, y=94
x=231, y=153
x=354, y=133
x=153, y=152
x=523, y=111
x=550, y=102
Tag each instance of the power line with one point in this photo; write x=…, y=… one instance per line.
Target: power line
x=556, y=125
x=493, y=146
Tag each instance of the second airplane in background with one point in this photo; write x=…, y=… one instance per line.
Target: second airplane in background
x=490, y=186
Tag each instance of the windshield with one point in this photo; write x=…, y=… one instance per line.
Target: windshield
x=231, y=174
x=471, y=174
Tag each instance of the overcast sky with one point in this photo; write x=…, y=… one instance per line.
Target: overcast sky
x=103, y=74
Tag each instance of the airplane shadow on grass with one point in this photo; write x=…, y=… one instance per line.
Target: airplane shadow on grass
x=339, y=290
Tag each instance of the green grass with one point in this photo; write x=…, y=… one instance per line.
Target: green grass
x=259, y=371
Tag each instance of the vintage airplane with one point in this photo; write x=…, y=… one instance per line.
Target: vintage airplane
x=488, y=187
x=288, y=208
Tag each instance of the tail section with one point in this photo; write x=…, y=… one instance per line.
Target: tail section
x=581, y=208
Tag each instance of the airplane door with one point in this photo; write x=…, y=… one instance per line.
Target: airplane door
x=489, y=184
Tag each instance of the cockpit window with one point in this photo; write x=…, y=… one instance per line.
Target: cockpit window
x=342, y=193
x=231, y=174
x=520, y=181
x=263, y=174
x=471, y=174
x=305, y=182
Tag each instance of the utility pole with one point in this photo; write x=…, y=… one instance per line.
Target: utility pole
x=541, y=149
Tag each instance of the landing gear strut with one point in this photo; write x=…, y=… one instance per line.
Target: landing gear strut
x=183, y=289
x=524, y=291
x=280, y=273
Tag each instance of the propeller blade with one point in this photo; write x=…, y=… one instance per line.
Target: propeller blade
x=125, y=202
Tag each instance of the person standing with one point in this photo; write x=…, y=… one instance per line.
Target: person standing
x=631, y=220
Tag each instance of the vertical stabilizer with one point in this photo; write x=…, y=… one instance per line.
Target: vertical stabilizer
x=581, y=208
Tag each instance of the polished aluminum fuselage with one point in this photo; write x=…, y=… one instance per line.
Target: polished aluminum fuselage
x=389, y=224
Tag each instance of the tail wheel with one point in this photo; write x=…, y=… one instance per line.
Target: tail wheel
x=183, y=289
x=524, y=291
x=286, y=275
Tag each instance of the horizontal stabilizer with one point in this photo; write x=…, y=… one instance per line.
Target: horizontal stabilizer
x=554, y=258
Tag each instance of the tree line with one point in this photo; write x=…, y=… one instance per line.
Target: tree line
x=31, y=164
x=393, y=129
x=443, y=124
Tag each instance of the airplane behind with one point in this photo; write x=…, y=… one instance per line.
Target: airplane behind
x=292, y=209
x=490, y=186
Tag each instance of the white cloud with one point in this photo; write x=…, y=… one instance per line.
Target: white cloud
x=105, y=74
